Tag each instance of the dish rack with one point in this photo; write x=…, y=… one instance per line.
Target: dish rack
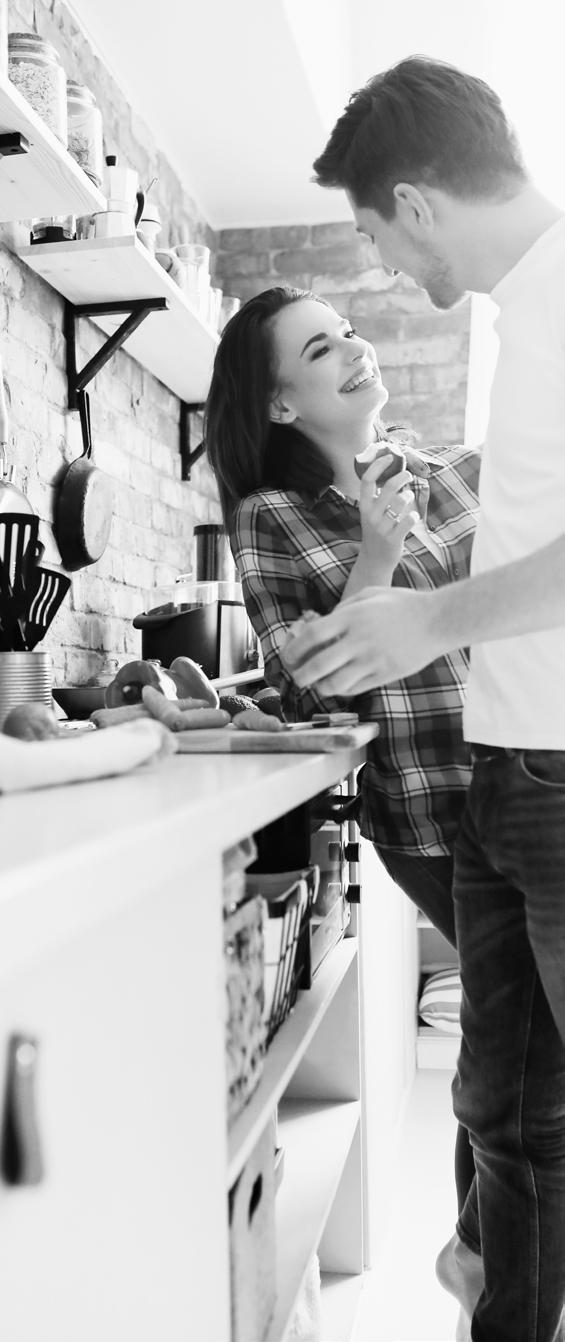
x=290, y=897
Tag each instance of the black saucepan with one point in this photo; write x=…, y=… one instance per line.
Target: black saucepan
x=84, y=504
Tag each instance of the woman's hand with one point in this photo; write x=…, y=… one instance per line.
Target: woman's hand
x=387, y=515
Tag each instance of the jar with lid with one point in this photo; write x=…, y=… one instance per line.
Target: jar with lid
x=54, y=228
x=85, y=130
x=34, y=67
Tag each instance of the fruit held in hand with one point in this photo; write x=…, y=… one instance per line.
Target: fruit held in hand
x=365, y=459
x=31, y=722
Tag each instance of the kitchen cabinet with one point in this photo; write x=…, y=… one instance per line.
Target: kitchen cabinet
x=111, y=958
x=45, y=180
x=175, y=345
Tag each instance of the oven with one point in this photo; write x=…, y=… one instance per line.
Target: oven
x=323, y=832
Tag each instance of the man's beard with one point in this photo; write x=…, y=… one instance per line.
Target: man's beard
x=441, y=287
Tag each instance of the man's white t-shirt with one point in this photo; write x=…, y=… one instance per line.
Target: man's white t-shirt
x=516, y=691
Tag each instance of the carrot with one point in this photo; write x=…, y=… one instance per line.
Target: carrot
x=253, y=720
x=110, y=717
x=179, y=719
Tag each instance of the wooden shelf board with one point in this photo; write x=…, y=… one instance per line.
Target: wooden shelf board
x=341, y=1294
x=46, y=180
x=435, y=1049
x=286, y=1051
x=175, y=345
x=316, y=1138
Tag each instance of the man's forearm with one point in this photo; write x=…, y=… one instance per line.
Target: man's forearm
x=518, y=598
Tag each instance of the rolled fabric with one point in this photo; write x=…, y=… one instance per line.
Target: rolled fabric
x=77, y=757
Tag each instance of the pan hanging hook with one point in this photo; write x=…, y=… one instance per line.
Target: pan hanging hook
x=83, y=400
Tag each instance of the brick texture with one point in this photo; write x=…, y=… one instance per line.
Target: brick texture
x=423, y=354
x=135, y=419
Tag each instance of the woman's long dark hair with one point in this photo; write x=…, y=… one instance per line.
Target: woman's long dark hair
x=246, y=450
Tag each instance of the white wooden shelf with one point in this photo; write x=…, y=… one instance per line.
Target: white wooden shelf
x=175, y=345
x=45, y=180
x=435, y=1049
x=285, y=1053
x=341, y=1294
x=317, y=1138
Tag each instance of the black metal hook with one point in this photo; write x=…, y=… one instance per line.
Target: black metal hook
x=83, y=401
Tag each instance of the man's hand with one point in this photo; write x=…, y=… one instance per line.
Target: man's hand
x=381, y=635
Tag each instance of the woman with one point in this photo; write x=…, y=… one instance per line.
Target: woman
x=295, y=395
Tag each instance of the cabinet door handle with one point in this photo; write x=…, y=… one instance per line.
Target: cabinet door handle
x=20, y=1155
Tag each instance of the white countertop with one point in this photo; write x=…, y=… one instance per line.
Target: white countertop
x=70, y=856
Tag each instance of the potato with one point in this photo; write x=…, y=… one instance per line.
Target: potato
x=31, y=722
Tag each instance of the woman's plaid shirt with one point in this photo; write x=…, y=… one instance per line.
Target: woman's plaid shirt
x=295, y=553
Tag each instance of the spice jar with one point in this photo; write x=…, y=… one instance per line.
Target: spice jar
x=85, y=130
x=34, y=67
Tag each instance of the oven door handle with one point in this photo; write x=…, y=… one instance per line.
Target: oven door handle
x=340, y=809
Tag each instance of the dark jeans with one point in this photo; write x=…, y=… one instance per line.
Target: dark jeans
x=428, y=882
x=509, y=1091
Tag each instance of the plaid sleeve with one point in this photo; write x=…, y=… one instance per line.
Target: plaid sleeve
x=266, y=542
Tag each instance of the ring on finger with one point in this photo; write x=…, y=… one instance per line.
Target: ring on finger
x=391, y=513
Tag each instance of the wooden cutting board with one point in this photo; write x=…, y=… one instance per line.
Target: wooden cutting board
x=234, y=741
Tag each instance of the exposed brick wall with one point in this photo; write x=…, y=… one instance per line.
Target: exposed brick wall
x=423, y=354
x=135, y=419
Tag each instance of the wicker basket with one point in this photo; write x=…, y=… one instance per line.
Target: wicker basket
x=245, y=1027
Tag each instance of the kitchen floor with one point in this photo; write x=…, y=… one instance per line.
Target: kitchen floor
x=402, y=1300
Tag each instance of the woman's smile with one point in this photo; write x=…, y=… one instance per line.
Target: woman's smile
x=364, y=377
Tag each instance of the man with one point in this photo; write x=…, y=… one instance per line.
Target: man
x=434, y=175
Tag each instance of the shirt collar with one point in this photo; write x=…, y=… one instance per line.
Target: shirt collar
x=422, y=464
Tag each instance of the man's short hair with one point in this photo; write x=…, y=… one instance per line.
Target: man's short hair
x=423, y=122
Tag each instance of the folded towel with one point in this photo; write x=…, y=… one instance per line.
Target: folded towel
x=77, y=757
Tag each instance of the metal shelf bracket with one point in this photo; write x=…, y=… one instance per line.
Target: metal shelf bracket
x=13, y=142
x=136, y=308
x=188, y=457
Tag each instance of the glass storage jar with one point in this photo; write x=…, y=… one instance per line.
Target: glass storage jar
x=85, y=130
x=34, y=67
x=54, y=228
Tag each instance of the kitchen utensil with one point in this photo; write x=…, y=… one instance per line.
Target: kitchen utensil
x=18, y=541
x=113, y=224
x=149, y=226
x=213, y=559
x=79, y=701
x=84, y=504
x=48, y=588
x=195, y=258
x=216, y=634
x=234, y=741
x=123, y=189
x=25, y=677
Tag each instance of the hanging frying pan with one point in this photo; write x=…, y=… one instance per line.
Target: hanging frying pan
x=84, y=504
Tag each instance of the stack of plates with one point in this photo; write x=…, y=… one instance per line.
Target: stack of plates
x=24, y=677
